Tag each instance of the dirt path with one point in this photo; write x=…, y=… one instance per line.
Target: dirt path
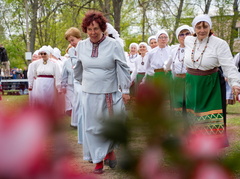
x=85, y=167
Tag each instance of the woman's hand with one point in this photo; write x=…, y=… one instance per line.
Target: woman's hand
x=126, y=98
x=236, y=92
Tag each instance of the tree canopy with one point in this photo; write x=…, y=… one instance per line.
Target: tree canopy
x=26, y=25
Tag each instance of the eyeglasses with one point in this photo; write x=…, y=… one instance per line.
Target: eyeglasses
x=162, y=37
x=43, y=53
x=186, y=34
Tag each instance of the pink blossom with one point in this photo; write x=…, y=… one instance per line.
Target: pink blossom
x=208, y=170
x=202, y=146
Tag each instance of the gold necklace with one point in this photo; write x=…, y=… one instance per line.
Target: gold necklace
x=44, y=62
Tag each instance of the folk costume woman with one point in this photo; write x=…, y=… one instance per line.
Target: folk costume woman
x=152, y=41
x=131, y=57
x=48, y=79
x=31, y=78
x=205, y=86
x=73, y=36
x=176, y=65
x=140, y=65
x=67, y=84
x=102, y=70
x=158, y=56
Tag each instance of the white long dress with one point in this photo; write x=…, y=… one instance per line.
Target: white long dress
x=77, y=100
x=101, y=77
x=67, y=83
x=47, y=83
x=31, y=84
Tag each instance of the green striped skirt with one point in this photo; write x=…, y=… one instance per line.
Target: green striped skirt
x=204, y=105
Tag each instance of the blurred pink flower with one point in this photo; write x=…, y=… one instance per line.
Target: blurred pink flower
x=150, y=163
x=22, y=137
x=208, y=170
x=25, y=150
x=202, y=146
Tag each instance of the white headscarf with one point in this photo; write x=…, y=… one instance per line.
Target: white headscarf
x=56, y=52
x=50, y=49
x=202, y=18
x=44, y=49
x=150, y=38
x=183, y=27
x=36, y=52
x=111, y=30
x=161, y=32
x=134, y=44
x=115, y=34
x=145, y=44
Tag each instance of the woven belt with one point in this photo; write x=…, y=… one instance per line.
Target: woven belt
x=45, y=76
x=159, y=70
x=141, y=73
x=201, y=72
x=180, y=75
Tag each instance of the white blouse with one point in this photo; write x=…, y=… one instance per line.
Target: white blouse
x=140, y=66
x=156, y=59
x=217, y=53
x=105, y=73
x=176, y=60
x=131, y=61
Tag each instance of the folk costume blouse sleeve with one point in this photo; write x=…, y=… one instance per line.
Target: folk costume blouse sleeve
x=123, y=71
x=30, y=74
x=65, y=74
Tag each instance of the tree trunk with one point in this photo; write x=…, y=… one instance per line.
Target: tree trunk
x=178, y=19
x=117, y=6
x=234, y=21
x=207, y=6
x=34, y=10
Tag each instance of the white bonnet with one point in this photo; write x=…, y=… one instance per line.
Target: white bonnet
x=115, y=34
x=143, y=43
x=183, y=27
x=151, y=37
x=50, y=49
x=112, y=30
x=200, y=18
x=36, y=52
x=134, y=44
x=161, y=32
x=44, y=49
x=56, y=52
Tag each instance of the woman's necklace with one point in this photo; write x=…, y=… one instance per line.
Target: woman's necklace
x=44, y=62
x=193, y=51
x=142, y=63
x=178, y=56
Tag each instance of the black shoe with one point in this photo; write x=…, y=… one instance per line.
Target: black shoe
x=106, y=162
x=112, y=163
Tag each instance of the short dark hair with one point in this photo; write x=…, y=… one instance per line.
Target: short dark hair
x=96, y=16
